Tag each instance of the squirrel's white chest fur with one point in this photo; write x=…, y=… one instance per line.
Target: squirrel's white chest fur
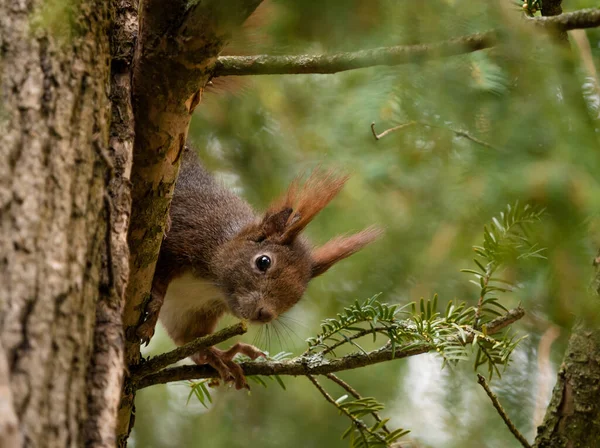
x=186, y=297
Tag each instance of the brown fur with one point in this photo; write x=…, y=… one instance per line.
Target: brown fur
x=306, y=202
x=208, y=255
x=341, y=247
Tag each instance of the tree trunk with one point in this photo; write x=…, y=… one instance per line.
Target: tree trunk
x=573, y=415
x=63, y=216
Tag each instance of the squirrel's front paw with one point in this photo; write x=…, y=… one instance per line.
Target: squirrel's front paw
x=245, y=349
x=222, y=362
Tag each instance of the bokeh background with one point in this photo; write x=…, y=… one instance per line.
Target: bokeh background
x=534, y=104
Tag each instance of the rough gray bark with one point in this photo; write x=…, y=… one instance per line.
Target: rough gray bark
x=108, y=364
x=573, y=415
x=59, y=229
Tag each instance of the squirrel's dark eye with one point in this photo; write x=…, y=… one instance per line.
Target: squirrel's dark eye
x=263, y=263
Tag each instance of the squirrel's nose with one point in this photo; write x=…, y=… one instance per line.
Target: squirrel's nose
x=264, y=315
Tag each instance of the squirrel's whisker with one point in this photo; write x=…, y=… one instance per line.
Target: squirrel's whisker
x=285, y=331
x=290, y=332
x=292, y=320
x=278, y=334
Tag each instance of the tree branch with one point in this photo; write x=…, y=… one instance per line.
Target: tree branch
x=584, y=18
x=317, y=364
x=339, y=62
x=511, y=426
x=159, y=362
x=334, y=63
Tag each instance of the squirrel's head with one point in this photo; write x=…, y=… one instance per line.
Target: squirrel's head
x=266, y=268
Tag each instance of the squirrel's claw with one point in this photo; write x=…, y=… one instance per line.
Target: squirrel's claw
x=146, y=331
x=222, y=362
x=229, y=371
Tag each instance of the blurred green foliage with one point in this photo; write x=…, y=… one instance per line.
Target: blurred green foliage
x=431, y=189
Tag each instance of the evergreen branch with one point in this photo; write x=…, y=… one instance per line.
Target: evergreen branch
x=360, y=425
x=200, y=391
x=505, y=238
x=486, y=280
x=334, y=63
x=317, y=364
x=344, y=385
x=511, y=426
x=159, y=362
x=349, y=339
x=381, y=318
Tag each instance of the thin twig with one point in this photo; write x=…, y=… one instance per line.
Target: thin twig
x=468, y=136
x=344, y=385
x=316, y=364
x=358, y=423
x=161, y=361
x=390, y=130
x=481, y=380
x=458, y=133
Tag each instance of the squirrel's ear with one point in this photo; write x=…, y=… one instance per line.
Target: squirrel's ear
x=341, y=247
x=274, y=222
x=272, y=225
x=289, y=215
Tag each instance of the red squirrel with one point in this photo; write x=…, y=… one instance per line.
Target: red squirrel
x=219, y=256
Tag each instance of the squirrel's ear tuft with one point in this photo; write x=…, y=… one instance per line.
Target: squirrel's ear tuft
x=341, y=247
x=289, y=215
